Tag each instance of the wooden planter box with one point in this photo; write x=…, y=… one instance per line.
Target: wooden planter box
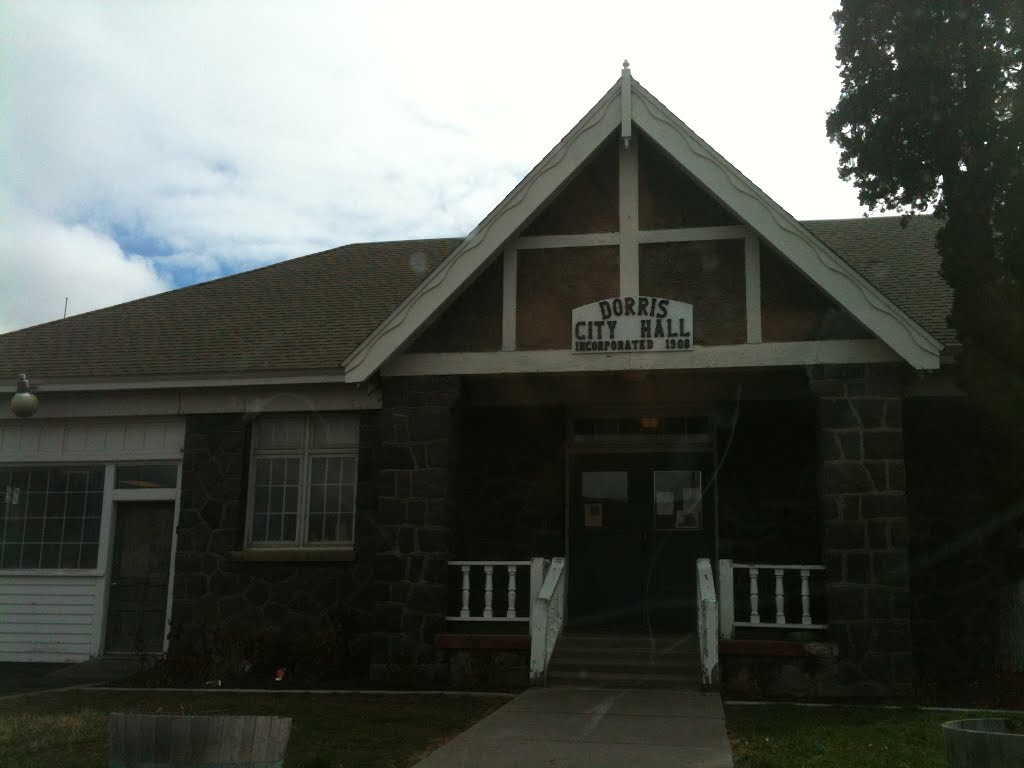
x=198, y=741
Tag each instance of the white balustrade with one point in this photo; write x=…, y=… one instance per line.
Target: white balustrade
x=511, y=613
x=755, y=616
x=488, y=591
x=780, y=598
x=728, y=619
x=487, y=567
x=464, y=612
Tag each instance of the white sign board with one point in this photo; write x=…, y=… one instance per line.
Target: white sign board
x=633, y=324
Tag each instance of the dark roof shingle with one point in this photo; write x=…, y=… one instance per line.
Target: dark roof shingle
x=304, y=314
x=308, y=314
x=902, y=262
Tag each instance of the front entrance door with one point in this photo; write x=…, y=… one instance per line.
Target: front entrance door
x=136, y=610
x=637, y=524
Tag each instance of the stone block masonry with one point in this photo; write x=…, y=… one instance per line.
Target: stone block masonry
x=862, y=484
x=416, y=496
x=314, y=617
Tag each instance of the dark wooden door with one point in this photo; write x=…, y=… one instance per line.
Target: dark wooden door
x=136, y=609
x=637, y=524
x=682, y=529
x=606, y=532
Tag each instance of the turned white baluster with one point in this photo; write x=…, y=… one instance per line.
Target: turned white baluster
x=465, y=592
x=780, y=598
x=755, y=617
x=805, y=596
x=511, y=613
x=488, y=591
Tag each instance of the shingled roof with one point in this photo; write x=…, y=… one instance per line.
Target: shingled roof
x=903, y=263
x=307, y=314
x=301, y=315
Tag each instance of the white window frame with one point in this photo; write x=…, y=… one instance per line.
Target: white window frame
x=305, y=454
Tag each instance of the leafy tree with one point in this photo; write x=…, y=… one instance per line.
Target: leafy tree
x=931, y=114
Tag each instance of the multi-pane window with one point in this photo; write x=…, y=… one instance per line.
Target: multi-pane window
x=303, y=481
x=50, y=516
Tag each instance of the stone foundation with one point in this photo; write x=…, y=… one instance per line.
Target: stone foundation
x=817, y=678
x=471, y=670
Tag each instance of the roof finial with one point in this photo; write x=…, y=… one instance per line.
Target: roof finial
x=627, y=106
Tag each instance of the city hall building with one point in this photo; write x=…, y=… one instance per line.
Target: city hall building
x=641, y=425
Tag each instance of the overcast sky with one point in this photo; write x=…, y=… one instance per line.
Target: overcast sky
x=151, y=145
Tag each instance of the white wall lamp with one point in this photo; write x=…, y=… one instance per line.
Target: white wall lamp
x=24, y=403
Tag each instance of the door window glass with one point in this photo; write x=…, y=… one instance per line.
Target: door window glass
x=605, y=499
x=677, y=500
x=135, y=476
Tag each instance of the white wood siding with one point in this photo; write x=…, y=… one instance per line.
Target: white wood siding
x=59, y=615
x=59, y=440
x=50, y=618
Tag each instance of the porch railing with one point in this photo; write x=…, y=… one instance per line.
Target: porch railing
x=707, y=622
x=489, y=591
x=774, y=575
x=547, y=613
x=509, y=575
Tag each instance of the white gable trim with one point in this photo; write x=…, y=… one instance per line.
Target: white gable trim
x=473, y=254
x=808, y=254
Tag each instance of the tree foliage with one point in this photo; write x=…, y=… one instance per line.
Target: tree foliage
x=931, y=115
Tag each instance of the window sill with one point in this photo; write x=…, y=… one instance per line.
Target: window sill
x=295, y=555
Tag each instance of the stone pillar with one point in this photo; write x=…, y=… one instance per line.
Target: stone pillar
x=863, y=484
x=415, y=509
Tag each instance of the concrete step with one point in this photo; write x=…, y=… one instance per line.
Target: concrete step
x=625, y=661
x=684, y=665
x=640, y=654
x=623, y=680
x=659, y=643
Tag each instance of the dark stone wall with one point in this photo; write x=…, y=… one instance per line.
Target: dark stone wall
x=865, y=518
x=768, y=510
x=415, y=509
x=489, y=670
x=292, y=614
x=512, y=484
x=964, y=543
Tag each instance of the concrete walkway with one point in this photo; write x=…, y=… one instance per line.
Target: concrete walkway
x=595, y=728
x=26, y=677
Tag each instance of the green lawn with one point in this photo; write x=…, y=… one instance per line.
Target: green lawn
x=70, y=728
x=786, y=736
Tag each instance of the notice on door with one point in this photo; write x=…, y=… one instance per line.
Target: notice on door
x=664, y=502
x=593, y=515
x=633, y=324
x=677, y=500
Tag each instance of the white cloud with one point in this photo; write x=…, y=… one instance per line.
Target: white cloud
x=229, y=134
x=43, y=262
